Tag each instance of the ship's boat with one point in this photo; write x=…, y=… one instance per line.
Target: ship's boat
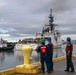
x=4, y=46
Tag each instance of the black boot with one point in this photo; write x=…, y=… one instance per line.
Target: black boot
x=66, y=70
x=49, y=71
x=72, y=71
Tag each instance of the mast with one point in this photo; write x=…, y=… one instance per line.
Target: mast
x=51, y=20
x=51, y=26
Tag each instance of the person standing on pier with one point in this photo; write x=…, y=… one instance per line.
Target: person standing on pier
x=69, y=49
x=50, y=53
x=43, y=49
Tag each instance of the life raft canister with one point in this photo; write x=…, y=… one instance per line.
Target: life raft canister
x=43, y=49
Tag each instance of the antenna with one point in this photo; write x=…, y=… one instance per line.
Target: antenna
x=51, y=11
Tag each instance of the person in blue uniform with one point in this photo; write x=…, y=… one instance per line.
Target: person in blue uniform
x=43, y=49
x=50, y=54
x=69, y=49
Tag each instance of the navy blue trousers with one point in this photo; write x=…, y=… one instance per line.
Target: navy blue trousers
x=50, y=60
x=44, y=59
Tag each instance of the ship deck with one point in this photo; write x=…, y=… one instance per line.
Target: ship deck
x=59, y=68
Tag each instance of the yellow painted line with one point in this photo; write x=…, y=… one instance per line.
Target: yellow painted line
x=59, y=59
x=74, y=55
x=62, y=58
x=8, y=71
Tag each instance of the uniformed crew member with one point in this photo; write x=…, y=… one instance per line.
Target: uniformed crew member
x=43, y=49
x=50, y=53
x=69, y=49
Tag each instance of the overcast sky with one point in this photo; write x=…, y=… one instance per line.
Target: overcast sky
x=24, y=18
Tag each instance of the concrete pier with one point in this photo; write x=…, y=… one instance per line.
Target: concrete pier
x=59, y=68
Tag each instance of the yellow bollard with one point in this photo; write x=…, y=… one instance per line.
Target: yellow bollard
x=27, y=50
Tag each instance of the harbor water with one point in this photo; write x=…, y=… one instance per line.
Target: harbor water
x=10, y=59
